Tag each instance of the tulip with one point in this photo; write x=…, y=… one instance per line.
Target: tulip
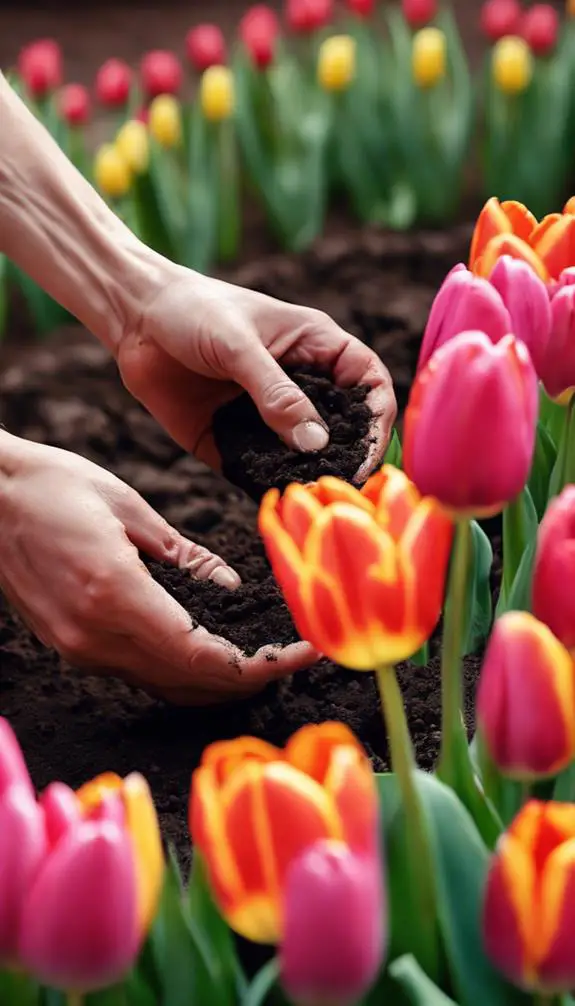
x=554, y=242
x=334, y=939
x=428, y=57
x=336, y=62
x=217, y=96
x=512, y=65
x=529, y=911
x=112, y=172
x=540, y=28
x=165, y=120
x=255, y=809
x=570, y=8
x=361, y=571
x=113, y=83
x=553, y=596
x=526, y=699
x=526, y=299
x=40, y=67
x=557, y=367
x=132, y=144
x=418, y=13
x=305, y=16
x=161, y=73
x=13, y=769
x=469, y=430
x=503, y=229
x=74, y=104
x=205, y=47
x=361, y=8
x=500, y=18
x=259, y=30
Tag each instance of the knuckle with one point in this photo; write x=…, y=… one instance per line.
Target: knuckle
x=282, y=396
x=96, y=593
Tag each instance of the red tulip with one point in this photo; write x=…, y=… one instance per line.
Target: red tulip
x=258, y=30
x=304, y=16
x=161, y=73
x=74, y=104
x=113, y=83
x=40, y=67
x=205, y=47
x=362, y=8
x=418, y=13
x=500, y=18
x=540, y=28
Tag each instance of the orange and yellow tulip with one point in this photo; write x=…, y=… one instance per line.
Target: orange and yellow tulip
x=509, y=228
x=529, y=909
x=362, y=572
x=255, y=809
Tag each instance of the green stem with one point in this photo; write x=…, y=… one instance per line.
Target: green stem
x=404, y=766
x=564, y=473
x=74, y=999
x=454, y=627
x=514, y=541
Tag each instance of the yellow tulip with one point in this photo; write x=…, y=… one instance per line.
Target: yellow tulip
x=112, y=173
x=165, y=120
x=428, y=57
x=133, y=144
x=217, y=96
x=336, y=62
x=512, y=65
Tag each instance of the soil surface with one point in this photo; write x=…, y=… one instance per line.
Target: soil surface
x=68, y=393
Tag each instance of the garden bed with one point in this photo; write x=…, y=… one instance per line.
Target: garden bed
x=68, y=393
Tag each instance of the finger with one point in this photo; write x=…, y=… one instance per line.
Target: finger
x=281, y=404
x=271, y=663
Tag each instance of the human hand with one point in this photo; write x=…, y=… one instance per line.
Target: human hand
x=70, y=534
x=197, y=341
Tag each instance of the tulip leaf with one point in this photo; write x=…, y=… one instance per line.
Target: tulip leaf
x=264, y=989
x=116, y=996
x=217, y=934
x=564, y=787
x=393, y=454
x=519, y=598
x=18, y=990
x=542, y=468
x=479, y=613
x=421, y=991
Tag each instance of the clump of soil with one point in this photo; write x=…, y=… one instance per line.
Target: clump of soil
x=254, y=458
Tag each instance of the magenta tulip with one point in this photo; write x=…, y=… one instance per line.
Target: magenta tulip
x=22, y=850
x=557, y=369
x=13, y=768
x=335, y=925
x=526, y=298
x=553, y=590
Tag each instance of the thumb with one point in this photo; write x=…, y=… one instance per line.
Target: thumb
x=281, y=404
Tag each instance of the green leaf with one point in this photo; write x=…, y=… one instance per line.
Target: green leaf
x=215, y=932
x=116, y=996
x=46, y=313
x=260, y=989
x=564, y=787
x=479, y=615
x=420, y=989
x=542, y=468
x=393, y=454
x=520, y=525
x=519, y=598
x=18, y=990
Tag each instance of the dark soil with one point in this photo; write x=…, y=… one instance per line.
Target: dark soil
x=73, y=726
x=254, y=458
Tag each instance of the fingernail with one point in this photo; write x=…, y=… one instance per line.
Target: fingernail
x=310, y=437
x=225, y=577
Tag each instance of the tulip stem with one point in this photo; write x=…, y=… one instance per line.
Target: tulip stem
x=569, y=445
x=453, y=629
x=404, y=766
x=74, y=999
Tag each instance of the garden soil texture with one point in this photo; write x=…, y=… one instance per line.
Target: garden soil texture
x=68, y=393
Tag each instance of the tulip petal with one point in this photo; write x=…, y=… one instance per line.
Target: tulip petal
x=285, y=559
x=22, y=849
x=556, y=923
x=508, y=909
x=491, y=222
x=329, y=489
x=79, y=928
x=527, y=301
x=298, y=510
x=311, y=748
x=142, y=824
x=426, y=548
x=570, y=206
x=223, y=757
x=13, y=767
x=521, y=219
x=555, y=567
x=397, y=504
x=208, y=832
x=90, y=795
x=557, y=367
x=351, y=782
x=61, y=811
x=511, y=245
x=555, y=244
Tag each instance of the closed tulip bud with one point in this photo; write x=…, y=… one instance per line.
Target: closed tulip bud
x=112, y=172
x=504, y=229
x=512, y=65
x=527, y=301
x=336, y=62
x=74, y=104
x=22, y=849
x=255, y=809
x=428, y=57
x=418, y=13
x=529, y=909
x=362, y=573
x=306, y=16
x=217, y=97
x=113, y=83
x=205, y=46
x=465, y=303
x=469, y=429
x=361, y=8
x=161, y=73
x=557, y=368
x=334, y=939
x=500, y=18
x=553, y=600
x=40, y=67
x=540, y=28
x=259, y=29
x=13, y=769
x=133, y=146
x=526, y=699
x=165, y=120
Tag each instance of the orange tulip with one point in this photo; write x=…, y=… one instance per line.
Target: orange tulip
x=509, y=228
x=529, y=910
x=255, y=809
x=362, y=572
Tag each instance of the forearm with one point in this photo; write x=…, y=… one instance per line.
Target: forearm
x=57, y=229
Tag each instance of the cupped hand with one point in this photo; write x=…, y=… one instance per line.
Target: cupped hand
x=197, y=341
x=69, y=539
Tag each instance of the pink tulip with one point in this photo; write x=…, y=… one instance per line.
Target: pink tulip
x=335, y=932
x=22, y=850
x=79, y=925
x=527, y=301
x=13, y=768
x=553, y=597
x=464, y=303
x=557, y=368
x=61, y=811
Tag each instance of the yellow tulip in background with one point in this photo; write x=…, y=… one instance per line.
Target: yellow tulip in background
x=112, y=172
x=165, y=120
x=512, y=65
x=217, y=97
x=429, y=57
x=336, y=62
x=133, y=143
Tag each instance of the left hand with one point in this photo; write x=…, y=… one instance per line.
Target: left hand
x=199, y=341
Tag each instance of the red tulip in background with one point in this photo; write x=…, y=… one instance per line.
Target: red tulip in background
x=418, y=13
x=205, y=47
x=363, y=8
x=40, y=67
x=540, y=28
x=304, y=16
x=259, y=29
x=74, y=104
x=161, y=73
x=500, y=18
x=113, y=83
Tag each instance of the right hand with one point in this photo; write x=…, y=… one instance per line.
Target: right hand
x=69, y=539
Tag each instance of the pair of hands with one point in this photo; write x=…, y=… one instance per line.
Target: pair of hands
x=71, y=531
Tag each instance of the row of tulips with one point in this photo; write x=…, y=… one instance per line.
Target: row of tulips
x=381, y=113
x=446, y=889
